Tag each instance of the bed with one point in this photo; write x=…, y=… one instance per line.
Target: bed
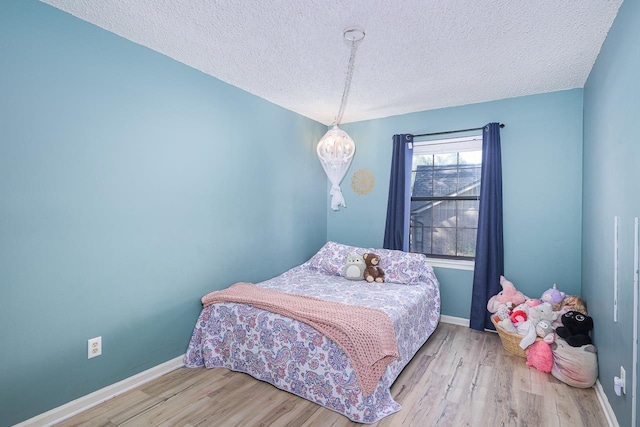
x=296, y=357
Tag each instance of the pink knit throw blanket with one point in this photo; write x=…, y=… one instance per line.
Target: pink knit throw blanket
x=365, y=334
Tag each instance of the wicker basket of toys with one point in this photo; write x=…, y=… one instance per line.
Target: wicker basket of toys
x=510, y=341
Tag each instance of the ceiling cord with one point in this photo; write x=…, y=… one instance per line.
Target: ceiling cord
x=347, y=85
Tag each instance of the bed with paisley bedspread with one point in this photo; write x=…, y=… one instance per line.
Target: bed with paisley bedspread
x=298, y=358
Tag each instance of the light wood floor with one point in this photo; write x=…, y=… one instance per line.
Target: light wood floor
x=460, y=377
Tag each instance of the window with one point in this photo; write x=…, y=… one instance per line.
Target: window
x=445, y=192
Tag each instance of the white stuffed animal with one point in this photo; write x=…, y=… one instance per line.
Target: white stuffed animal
x=537, y=314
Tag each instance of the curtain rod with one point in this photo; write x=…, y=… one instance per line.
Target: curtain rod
x=451, y=131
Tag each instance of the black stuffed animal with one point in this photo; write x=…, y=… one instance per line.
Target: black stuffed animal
x=575, y=329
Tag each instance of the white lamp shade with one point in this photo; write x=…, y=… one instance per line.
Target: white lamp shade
x=335, y=151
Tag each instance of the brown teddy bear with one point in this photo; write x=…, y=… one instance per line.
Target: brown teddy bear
x=373, y=272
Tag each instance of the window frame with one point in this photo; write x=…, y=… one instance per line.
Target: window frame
x=441, y=145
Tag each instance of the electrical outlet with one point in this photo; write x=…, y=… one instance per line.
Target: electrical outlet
x=94, y=347
x=619, y=385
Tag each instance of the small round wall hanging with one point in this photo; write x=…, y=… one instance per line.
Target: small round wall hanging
x=362, y=181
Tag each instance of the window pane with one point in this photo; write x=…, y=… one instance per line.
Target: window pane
x=421, y=213
x=468, y=213
x=467, y=242
x=422, y=175
x=444, y=214
x=469, y=173
x=422, y=159
x=471, y=158
x=420, y=239
x=422, y=181
x=444, y=241
x=445, y=181
x=469, y=180
x=420, y=227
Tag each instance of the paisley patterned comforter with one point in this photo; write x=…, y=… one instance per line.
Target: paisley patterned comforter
x=296, y=358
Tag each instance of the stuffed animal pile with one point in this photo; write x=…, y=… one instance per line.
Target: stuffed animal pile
x=554, y=328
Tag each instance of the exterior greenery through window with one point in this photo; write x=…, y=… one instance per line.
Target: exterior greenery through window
x=445, y=192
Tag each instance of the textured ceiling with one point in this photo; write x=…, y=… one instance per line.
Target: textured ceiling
x=416, y=55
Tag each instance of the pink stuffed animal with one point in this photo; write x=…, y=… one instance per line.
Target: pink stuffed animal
x=540, y=356
x=508, y=294
x=518, y=317
x=532, y=302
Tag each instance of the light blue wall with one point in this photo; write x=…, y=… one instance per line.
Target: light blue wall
x=542, y=185
x=130, y=185
x=611, y=178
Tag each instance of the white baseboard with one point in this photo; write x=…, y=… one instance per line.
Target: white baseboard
x=604, y=403
x=83, y=403
x=460, y=321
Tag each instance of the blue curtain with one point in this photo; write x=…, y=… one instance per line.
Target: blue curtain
x=489, y=262
x=396, y=232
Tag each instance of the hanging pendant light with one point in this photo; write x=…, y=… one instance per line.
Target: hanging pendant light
x=336, y=148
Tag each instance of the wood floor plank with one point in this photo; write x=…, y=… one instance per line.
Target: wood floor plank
x=113, y=412
x=460, y=377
